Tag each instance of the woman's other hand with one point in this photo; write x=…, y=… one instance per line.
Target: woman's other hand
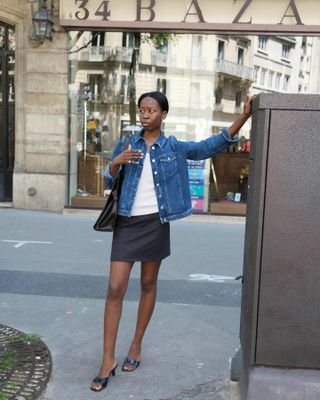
x=247, y=108
x=128, y=156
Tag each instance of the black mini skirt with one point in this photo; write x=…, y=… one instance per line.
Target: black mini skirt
x=140, y=238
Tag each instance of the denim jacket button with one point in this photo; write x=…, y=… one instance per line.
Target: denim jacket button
x=157, y=185
x=161, y=207
x=155, y=172
x=153, y=147
x=153, y=160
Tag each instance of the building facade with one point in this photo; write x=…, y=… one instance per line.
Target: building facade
x=67, y=101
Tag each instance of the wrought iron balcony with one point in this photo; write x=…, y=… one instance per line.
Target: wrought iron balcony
x=233, y=69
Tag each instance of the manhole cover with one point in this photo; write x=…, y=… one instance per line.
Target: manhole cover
x=25, y=365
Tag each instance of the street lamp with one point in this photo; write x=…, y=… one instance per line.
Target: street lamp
x=43, y=23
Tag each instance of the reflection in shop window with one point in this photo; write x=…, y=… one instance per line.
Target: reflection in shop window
x=204, y=96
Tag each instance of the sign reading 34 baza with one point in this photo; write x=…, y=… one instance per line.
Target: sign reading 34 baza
x=279, y=15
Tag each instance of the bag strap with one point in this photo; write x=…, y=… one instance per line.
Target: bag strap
x=125, y=141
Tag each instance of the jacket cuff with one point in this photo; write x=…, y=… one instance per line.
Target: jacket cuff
x=225, y=133
x=106, y=173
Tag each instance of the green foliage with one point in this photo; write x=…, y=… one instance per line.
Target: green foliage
x=7, y=359
x=25, y=337
x=160, y=41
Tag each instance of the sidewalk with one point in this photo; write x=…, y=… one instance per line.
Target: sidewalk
x=192, y=335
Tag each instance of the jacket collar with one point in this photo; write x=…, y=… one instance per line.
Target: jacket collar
x=160, y=142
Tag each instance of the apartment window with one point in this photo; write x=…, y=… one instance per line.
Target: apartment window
x=278, y=80
x=256, y=74
x=128, y=40
x=162, y=85
x=238, y=99
x=270, y=79
x=197, y=47
x=95, y=84
x=286, y=83
x=195, y=94
x=240, y=56
x=285, y=51
x=262, y=43
x=221, y=45
x=219, y=95
x=263, y=77
x=98, y=39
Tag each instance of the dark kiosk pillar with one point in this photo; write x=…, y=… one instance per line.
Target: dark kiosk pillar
x=280, y=314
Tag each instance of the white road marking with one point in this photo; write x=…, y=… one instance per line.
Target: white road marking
x=211, y=278
x=20, y=243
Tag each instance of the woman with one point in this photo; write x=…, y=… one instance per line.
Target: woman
x=155, y=190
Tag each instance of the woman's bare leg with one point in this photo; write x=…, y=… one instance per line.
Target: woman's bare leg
x=118, y=283
x=148, y=281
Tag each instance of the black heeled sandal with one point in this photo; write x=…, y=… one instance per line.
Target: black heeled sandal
x=133, y=364
x=103, y=381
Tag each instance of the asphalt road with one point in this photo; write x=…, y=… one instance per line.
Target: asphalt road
x=53, y=274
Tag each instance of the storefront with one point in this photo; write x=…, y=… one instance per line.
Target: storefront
x=77, y=94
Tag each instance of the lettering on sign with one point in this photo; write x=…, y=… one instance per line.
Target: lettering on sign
x=198, y=12
x=149, y=8
x=115, y=13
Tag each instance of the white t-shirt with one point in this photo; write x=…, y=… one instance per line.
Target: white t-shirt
x=145, y=201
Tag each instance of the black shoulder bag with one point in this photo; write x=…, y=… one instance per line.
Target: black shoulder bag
x=107, y=218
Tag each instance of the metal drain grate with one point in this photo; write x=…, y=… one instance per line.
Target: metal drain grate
x=25, y=365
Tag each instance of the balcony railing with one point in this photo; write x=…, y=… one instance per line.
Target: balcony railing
x=100, y=53
x=233, y=69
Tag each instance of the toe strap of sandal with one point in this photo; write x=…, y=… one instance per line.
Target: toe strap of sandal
x=99, y=380
x=133, y=362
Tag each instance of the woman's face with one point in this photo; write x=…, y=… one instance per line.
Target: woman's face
x=150, y=113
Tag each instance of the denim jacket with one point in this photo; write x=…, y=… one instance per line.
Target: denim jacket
x=170, y=171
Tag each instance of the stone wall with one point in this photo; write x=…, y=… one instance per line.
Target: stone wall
x=41, y=80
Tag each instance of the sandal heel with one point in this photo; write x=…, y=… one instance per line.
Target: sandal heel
x=113, y=372
x=103, y=382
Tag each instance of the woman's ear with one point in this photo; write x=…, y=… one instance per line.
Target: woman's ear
x=164, y=115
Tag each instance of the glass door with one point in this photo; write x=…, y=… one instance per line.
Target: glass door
x=7, y=110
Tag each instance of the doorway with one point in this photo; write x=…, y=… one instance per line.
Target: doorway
x=7, y=110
